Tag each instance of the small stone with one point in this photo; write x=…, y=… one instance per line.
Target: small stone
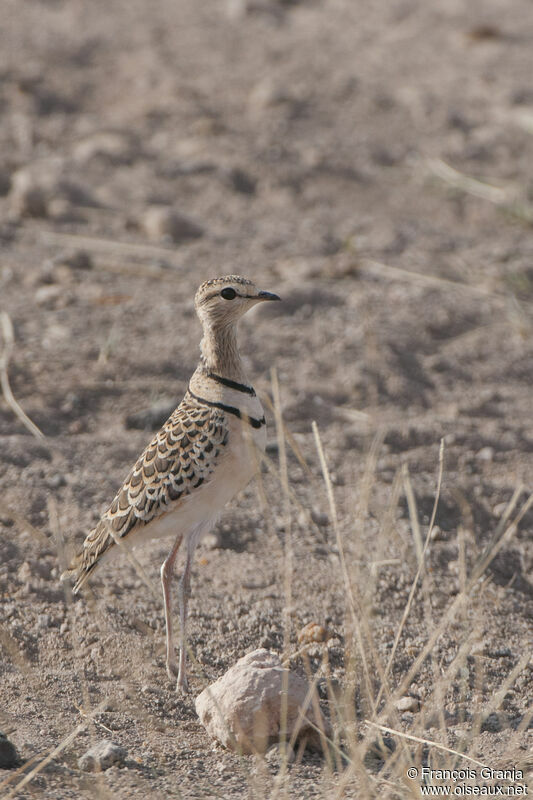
x=320, y=518
x=9, y=757
x=312, y=632
x=44, y=621
x=436, y=534
x=266, y=94
x=499, y=509
x=478, y=648
x=162, y=222
x=378, y=752
x=243, y=709
x=212, y=540
x=275, y=754
x=79, y=259
x=48, y=295
x=28, y=197
x=111, y=146
x=102, y=756
x=485, y=454
x=492, y=723
x=56, y=481
x=240, y=181
x=5, y=182
x=408, y=704
x=24, y=572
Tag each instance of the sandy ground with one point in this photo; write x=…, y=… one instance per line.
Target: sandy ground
x=373, y=164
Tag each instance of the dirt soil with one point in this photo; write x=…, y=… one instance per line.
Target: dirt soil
x=371, y=162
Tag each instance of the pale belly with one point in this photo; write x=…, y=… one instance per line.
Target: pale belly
x=197, y=512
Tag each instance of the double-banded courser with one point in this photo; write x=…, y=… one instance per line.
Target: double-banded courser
x=202, y=456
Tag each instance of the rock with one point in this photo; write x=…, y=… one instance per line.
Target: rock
x=320, y=518
x=28, y=197
x=79, y=259
x=485, y=454
x=9, y=757
x=102, y=756
x=162, y=222
x=44, y=621
x=408, y=704
x=499, y=509
x=312, y=632
x=212, y=540
x=24, y=572
x=111, y=146
x=5, y=182
x=240, y=181
x=243, y=708
x=492, y=723
x=265, y=95
x=56, y=481
x=436, y=534
x=378, y=752
x=49, y=295
x=274, y=755
x=237, y=9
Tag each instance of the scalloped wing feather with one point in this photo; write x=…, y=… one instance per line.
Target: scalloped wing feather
x=181, y=457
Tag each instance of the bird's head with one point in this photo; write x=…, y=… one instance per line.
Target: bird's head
x=222, y=301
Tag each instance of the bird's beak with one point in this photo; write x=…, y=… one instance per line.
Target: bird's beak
x=267, y=296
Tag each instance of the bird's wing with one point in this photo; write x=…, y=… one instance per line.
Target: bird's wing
x=179, y=459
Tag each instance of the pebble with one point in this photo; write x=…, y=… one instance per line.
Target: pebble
x=111, y=146
x=55, y=481
x=437, y=534
x=102, y=756
x=79, y=259
x=492, y=723
x=28, y=198
x=485, y=454
x=48, y=295
x=236, y=9
x=44, y=621
x=9, y=757
x=274, y=755
x=265, y=95
x=24, y=572
x=240, y=181
x=312, y=632
x=499, y=509
x=163, y=222
x=408, y=704
x=320, y=518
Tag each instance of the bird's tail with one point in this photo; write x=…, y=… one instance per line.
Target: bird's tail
x=82, y=565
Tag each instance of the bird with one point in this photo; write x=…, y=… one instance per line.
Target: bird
x=203, y=455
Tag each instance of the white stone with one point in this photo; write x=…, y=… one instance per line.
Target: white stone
x=102, y=756
x=243, y=708
x=162, y=222
x=408, y=704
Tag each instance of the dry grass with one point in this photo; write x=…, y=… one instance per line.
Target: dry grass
x=346, y=756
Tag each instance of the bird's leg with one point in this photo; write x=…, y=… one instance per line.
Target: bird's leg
x=167, y=568
x=184, y=592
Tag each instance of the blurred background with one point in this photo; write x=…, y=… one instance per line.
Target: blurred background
x=371, y=162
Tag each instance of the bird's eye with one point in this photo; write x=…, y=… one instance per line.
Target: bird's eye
x=228, y=293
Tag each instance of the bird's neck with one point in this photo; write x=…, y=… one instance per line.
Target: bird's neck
x=220, y=352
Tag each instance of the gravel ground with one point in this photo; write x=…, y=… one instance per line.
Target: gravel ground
x=372, y=163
